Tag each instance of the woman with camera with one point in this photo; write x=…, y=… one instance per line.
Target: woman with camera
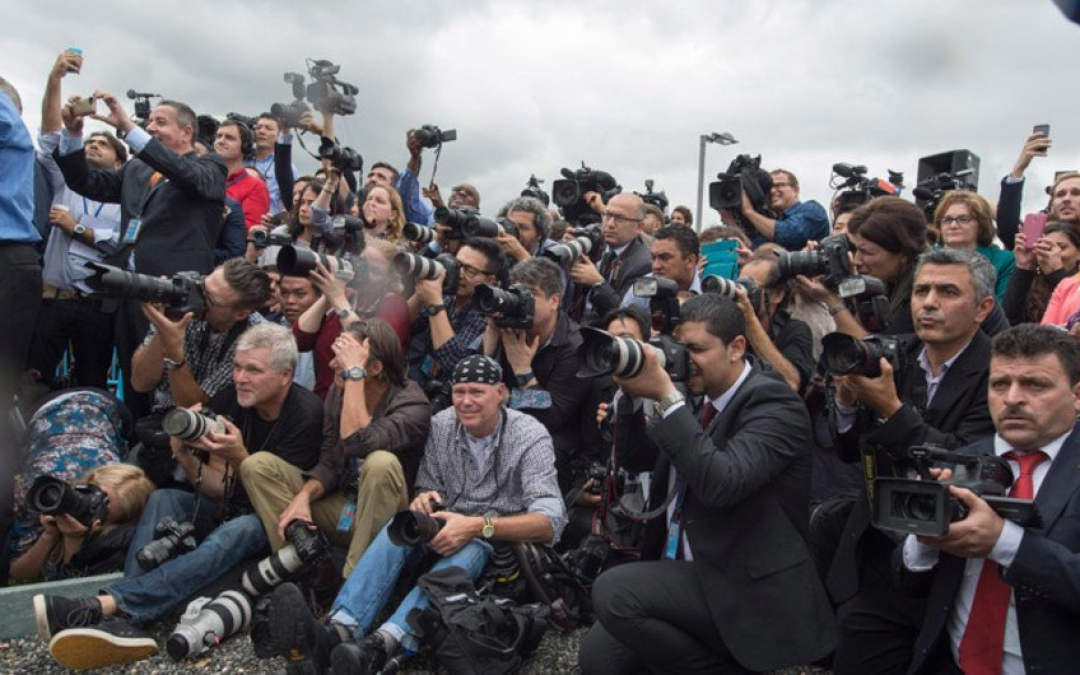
x=1040, y=267
x=65, y=547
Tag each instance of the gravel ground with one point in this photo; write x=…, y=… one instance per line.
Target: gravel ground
x=24, y=656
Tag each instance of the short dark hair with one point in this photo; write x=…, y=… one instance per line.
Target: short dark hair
x=490, y=249
x=388, y=167
x=539, y=273
x=185, y=115
x=1030, y=340
x=685, y=238
x=268, y=116
x=541, y=217
x=983, y=276
x=896, y=225
x=249, y=281
x=385, y=348
x=631, y=314
x=686, y=213
x=119, y=148
x=721, y=316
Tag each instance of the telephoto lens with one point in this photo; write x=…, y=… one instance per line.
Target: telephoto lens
x=409, y=528
x=421, y=234
x=293, y=261
x=305, y=547
x=416, y=266
x=605, y=354
x=205, y=623
x=191, y=426
x=569, y=252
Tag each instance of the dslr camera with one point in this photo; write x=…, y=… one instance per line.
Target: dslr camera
x=440, y=394
x=418, y=234
x=569, y=193
x=588, y=242
x=430, y=136
x=513, y=307
x=925, y=507
x=342, y=158
x=409, y=528
x=605, y=354
x=181, y=294
x=830, y=261
x=458, y=220
x=306, y=547
x=847, y=355
x=191, y=426
x=418, y=267
x=663, y=295
x=51, y=496
x=714, y=283
x=172, y=539
x=262, y=238
x=293, y=261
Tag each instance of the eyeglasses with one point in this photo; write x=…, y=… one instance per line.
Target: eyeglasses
x=619, y=218
x=779, y=185
x=959, y=220
x=472, y=272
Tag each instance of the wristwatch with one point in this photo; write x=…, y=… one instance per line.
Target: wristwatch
x=171, y=365
x=432, y=310
x=79, y=229
x=524, y=378
x=344, y=313
x=489, y=525
x=671, y=399
x=354, y=373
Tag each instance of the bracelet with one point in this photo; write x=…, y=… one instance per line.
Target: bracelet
x=837, y=308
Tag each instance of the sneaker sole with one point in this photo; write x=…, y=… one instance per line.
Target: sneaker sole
x=41, y=618
x=88, y=648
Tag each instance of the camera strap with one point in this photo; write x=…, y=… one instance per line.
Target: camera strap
x=435, y=165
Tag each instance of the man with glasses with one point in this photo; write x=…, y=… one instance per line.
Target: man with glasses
x=796, y=223
x=453, y=326
x=626, y=257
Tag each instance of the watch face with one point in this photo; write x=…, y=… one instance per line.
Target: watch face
x=354, y=373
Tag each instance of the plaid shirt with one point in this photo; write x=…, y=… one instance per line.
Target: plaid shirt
x=469, y=326
x=518, y=477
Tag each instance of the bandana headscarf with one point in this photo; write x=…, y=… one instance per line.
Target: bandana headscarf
x=477, y=369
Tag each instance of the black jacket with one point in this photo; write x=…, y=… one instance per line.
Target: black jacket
x=636, y=262
x=181, y=215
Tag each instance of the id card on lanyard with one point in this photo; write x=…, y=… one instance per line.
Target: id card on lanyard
x=675, y=527
x=131, y=234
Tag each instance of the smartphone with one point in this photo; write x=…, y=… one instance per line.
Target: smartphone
x=84, y=106
x=1043, y=129
x=723, y=259
x=1034, y=224
x=74, y=50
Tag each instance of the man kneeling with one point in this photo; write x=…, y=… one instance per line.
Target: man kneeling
x=488, y=474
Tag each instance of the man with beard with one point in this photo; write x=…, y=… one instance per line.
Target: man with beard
x=795, y=223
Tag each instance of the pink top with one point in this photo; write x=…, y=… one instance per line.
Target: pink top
x=1064, y=302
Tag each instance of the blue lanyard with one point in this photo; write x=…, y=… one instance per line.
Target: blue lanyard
x=86, y=208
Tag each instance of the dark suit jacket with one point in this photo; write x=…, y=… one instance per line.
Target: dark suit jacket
x=747, y=515
x=958, y=416
x=1045, y=575
x=181, y=217
x=636, y=263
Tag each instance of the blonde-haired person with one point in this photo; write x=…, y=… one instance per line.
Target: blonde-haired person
x=67, y=547
x=964, y=220
x=383, y=214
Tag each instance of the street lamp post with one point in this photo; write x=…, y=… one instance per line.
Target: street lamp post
x=723, y=139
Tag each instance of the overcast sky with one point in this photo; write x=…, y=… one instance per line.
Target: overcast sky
x=628, y=87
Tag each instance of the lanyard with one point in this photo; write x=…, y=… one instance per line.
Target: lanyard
x=86, y=208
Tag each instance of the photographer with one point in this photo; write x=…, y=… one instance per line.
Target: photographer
x=374, y=427
x=625, y=258
x=454, y=323
x=187, y=361
x=730, y=583
x=936, y=395
x=540, y=363
x=487, y=475
x=533, y=223
x=675, y=255
x=233, y=144
x=1002, y=596
x=408, y=185
x=798, y=222
x=261, y=411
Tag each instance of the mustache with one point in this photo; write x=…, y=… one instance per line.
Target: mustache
x=1016, y=412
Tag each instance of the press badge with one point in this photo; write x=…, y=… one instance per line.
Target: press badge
x=671, y=543
x=131, y=234
x=348, y=512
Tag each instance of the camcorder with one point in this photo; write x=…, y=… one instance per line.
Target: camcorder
x=418, y=267
x=182, y=293
x=419, y=234
x=191, y=426
x=305, y=548
x=205, y=623
x=172, y=538
x=605, y=354
x=924, y=506
x=663, y=295
x=847, y=355
x=430, y=136
x=290, y=113
x=569, y=193
x=724, y=287
x=142, y=106
x=409, y=528
x=512, y=307
x=744, y=174
x=263, y=238
x=51, y=496
x=930, y=191
x=657, y=199
x=533, y=189
x=858, y=189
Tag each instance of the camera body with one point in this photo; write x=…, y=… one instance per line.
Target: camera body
x=207, y=622
x=458, y=220
x=52, y=497
x=409, y=528
x=342, y=158
x=847, y=355
x=830, y=261
x=182, y=293
x=663, y=295
x=483, y=227
x=306, y=547
x=569, y=193
x=431, y=136
x=440, y=395
x=172, y=538
x=515, y=306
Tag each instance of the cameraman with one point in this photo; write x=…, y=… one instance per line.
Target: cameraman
x=487, y=475
x=533, y=223
x=730, y=584
x=675, y=252
x=1002, y=597
x=936, y=396
x=798, y=222
x=374, y=427
x=625, y=258
x=454, y=324
x=262, y=411
x=540, y=363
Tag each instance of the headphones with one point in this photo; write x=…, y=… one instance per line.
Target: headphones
x=247, y=139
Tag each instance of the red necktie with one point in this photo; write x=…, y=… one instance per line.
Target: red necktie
x=983, y=644
x=708, y=412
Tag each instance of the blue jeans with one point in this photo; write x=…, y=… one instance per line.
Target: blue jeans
x=368, y=588
x=145, y=596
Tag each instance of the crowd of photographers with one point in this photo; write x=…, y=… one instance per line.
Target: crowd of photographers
x=799, y=436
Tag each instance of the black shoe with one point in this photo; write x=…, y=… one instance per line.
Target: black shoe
x=54, y=613
x=261, y=640
x=299, y=637
x=111, y=642
x=366, y=657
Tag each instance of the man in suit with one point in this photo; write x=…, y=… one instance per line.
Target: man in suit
x=1005, y=598
x=626, y=257
x=938, y=396
x=730, y=585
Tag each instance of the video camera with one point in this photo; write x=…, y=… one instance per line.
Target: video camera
x=924, y=507
x=930, y=191
x=142, y=106
x=657, y=199
x=418, y=267
x=533, y=189
x=663, y=295
x=858, y=189
x=51, y=496
x=569, y=193
x=847, y=355
x=605, y=354
x=744, y=174
x=180, y=294
x=514, y=306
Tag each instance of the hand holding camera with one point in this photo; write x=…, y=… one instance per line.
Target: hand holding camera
x=975, y=535
x=878, y=393
x=653, y=382
x=426, y=502
x=456, y=531
x=169, y=333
